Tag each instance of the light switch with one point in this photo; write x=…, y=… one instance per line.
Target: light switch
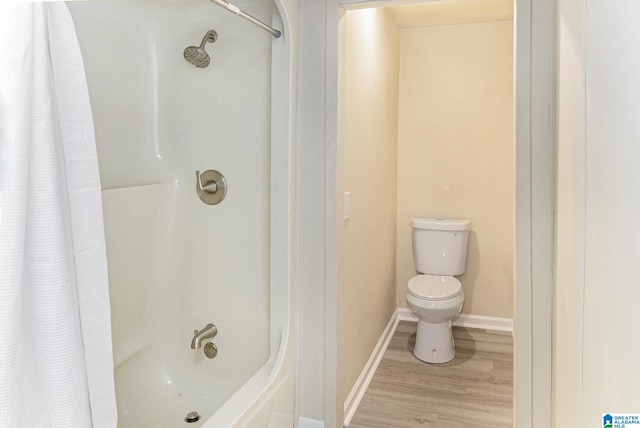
x=347, y=205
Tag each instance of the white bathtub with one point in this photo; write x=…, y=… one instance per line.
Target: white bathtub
x=176, y=264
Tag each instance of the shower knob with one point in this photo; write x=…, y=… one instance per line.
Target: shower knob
x=211, y=186
x=210, y=350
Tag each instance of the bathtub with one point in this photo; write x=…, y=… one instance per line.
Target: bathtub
x=175, y=263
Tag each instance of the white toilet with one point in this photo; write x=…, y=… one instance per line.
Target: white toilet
x=435, y=296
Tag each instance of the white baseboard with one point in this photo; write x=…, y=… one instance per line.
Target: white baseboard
x=405, y=314
x=488, y=323
x=467, y=320
x=362, y=383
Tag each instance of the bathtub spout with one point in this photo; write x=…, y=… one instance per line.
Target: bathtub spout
x=208, y=332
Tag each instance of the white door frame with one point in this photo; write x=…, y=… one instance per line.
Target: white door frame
x=534, y=200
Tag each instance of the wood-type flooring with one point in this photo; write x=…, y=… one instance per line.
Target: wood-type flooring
x=474, y=390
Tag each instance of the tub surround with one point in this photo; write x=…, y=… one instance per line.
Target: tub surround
x=175, y=263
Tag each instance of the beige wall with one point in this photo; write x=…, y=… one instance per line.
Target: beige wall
x=366, y=168
x=455, y=152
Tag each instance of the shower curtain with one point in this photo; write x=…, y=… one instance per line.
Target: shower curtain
x=56, y=367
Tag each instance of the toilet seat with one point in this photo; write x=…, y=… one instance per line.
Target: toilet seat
x=434, y=287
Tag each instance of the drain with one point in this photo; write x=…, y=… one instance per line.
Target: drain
x=192, y=417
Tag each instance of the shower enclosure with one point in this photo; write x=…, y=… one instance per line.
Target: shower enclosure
x=177, y=264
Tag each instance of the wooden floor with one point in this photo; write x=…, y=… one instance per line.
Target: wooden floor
x=475, y=389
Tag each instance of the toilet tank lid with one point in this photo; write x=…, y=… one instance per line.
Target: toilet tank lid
x=440, y=223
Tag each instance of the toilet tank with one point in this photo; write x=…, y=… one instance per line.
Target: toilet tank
x=440, y=245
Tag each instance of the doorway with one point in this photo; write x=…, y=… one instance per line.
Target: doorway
x=534, y=198
x=426, y=130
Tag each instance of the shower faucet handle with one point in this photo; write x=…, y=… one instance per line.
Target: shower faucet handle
x=211, y=186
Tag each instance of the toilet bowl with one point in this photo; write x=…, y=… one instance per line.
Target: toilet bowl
x=435, y=300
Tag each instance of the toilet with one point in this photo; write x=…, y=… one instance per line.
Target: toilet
x=435, y=296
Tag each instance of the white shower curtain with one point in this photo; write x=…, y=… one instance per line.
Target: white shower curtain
x=56, y=367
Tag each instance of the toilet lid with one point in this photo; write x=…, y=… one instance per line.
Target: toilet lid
x=434, y=287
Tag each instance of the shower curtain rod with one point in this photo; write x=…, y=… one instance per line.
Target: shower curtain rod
x=231, y=8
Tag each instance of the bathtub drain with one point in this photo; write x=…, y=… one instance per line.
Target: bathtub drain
x=192, y=417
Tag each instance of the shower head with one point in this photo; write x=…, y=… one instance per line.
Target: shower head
x=196, y=55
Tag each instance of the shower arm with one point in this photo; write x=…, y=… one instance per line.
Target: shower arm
x=231, y=8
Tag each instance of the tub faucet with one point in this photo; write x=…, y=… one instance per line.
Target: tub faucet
x=207, y=332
